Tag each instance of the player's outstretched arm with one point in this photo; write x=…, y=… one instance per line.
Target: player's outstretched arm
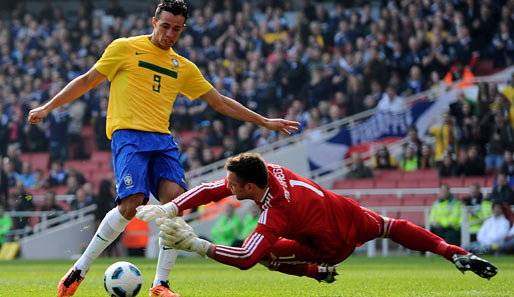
x=73, y=90
x=236, y=110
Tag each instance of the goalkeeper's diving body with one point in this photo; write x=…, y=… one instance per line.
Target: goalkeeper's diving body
x=303, y=229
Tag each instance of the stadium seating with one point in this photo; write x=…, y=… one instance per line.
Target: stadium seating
x=397, y=179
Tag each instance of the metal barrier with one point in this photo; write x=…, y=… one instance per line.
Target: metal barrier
x=45, y=223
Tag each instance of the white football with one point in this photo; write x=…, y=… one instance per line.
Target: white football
x=123, y=279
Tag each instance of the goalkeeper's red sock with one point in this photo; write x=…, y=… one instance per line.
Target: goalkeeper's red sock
x=419, y=239
x=309, y=270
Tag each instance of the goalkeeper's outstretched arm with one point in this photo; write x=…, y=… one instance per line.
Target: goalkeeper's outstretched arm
x=202, y=194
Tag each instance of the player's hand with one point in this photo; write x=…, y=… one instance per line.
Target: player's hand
x=282, y=125
x=36, y=115
x=148, y=213
x=179, y=235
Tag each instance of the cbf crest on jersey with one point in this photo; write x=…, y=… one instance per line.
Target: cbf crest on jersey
x=174, y=62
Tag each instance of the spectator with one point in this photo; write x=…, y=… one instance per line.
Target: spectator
x=244, y=141
x=390, y=101
x=415, y=82
x=22, y=201
x=250, y=221
x=456, y=108
x=383, y=159
x=445, y=216
x=135, y=237
x=446, y=136
x=57, y=174
x=502, y=46
x=475, y=214
x=81, y=200
x=72, y=171
x=72, y=184
x=90, y=192
x=426, y=160
x=507, y=246
x=508, y=166
x=13, y=154
x=501, y=138
x=39, y=180
x=6, y=225
x=413, y=140
x=216, y=133
x=474, y=164
x=437, y=58
x=459, y=72
x=228, y=227
x=229, y=147
x=410, y=159
x=58, y=121
x=502, y=192
x=493, y=231
x=10, y=173
x=50, y=205
x=447, y=168
x=77, y=110
x=358, y=169
x=27, y=176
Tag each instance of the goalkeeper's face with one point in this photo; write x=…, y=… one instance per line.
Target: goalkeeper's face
x=167, y=29
x=237, y=188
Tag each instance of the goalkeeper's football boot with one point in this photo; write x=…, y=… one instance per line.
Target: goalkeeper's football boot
x=478, y=265
x=327, y=274
x=69, y=283
x=163, y=291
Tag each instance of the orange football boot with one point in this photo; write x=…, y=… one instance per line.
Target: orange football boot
x=163, y=291
x=69, y=283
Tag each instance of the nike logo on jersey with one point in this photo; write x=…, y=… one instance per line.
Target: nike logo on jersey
x=138, y=53
x=101, y=238
x=166, y=248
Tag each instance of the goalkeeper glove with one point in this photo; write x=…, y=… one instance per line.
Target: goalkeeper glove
x=151, y=212
x=179, y=235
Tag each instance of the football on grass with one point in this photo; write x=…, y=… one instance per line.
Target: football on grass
x=123, y=279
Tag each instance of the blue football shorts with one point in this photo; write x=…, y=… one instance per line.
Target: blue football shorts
x=141, y=159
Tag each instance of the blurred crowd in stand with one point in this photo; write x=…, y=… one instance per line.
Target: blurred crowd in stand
x=314, y=62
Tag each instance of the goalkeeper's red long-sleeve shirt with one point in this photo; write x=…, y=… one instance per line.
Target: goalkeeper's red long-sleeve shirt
x=327, y=226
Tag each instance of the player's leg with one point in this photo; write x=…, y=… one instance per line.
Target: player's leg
x=416, y=238
x=167, y=180
x=289, y=256
x=110, y=228
x=167, y=256
x=132, y=184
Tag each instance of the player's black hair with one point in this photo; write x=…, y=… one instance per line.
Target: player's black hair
x=176, y=7
x=249, y=168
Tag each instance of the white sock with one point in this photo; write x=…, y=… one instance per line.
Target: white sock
x=110, y=228
x=167, y=258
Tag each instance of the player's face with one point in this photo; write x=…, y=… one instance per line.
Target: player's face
x=236, y=187
x=167, y=29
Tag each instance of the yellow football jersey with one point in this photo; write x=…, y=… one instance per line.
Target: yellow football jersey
x=145, y=81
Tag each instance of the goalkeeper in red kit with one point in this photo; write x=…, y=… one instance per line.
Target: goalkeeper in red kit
x=303, y=229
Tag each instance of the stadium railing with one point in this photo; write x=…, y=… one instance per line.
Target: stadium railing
x=44, y=222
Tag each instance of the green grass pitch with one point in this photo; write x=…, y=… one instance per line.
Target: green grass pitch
x=359, y=276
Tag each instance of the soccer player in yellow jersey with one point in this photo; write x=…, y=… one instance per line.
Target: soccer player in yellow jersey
x=146, y=75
